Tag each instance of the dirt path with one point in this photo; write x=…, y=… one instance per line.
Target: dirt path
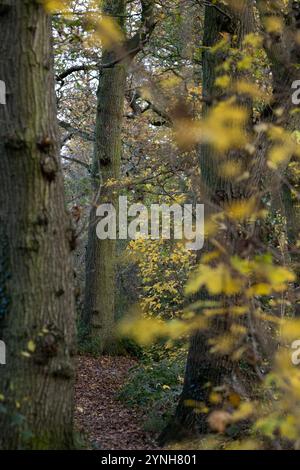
x=104, y=420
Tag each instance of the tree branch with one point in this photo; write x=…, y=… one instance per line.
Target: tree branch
x=73, y=131
x=76, y=160
x=131, y=47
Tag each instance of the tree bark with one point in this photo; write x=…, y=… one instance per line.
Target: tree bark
x=100, y=286
x=283, y=51
x=36, y=294
x=202, y=367
x=99, y=308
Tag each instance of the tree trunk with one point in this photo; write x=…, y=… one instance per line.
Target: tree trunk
x=202, y=367
x=99, y=308
x=283, y=51
x=36, y=294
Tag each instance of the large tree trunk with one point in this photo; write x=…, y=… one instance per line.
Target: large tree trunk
x=202, y=367
x=36, y=294
x=99, y=308
x=100, y=286
x=283, y=51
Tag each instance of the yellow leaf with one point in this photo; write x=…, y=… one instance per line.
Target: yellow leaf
x=217, y=280
x=245, y=63
x=107, y=32
x=25, y=354
x=277, y=155
x=53, y=6
x=273, y=24
x=246, y=444
x=224, y=127
x=243, y=412
x=290, y=329
x=230, y=169
x=215, y=398
x=31, y=346
x=259, y=289
x=243, y=209
x=247, y=88
x=253, y=39
x=289, y=428
x=223, y=81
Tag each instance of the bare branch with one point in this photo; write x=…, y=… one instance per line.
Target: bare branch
x=76, y=160
x=73, y=131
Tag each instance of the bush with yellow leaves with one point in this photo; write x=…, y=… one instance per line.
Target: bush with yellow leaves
x=164, y=267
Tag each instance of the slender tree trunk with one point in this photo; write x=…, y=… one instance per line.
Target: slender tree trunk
x=99, y=308
x=36, y=294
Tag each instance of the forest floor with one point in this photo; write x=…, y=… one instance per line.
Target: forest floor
x=100, y=417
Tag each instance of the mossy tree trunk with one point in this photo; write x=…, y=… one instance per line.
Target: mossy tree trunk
x=100, y=286
x=36, y=294
x=99, y=307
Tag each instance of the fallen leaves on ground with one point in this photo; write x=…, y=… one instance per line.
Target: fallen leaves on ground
x=99, y=415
